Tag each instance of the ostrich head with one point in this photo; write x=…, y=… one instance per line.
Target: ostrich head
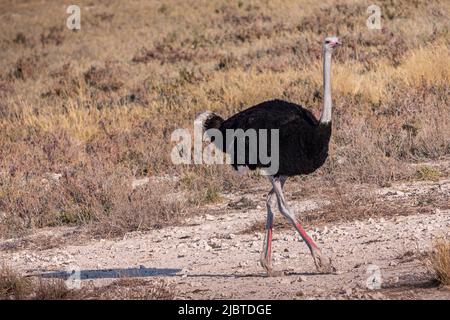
x=330, y=43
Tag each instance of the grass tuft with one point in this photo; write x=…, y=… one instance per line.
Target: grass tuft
x=12, y=285
x=439, y=261
x=427, y=173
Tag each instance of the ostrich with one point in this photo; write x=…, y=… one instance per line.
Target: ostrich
x=303, y=148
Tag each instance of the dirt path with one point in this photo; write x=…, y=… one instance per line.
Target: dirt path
x=208, y=258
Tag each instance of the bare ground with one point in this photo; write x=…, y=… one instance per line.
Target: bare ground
x=215, y=255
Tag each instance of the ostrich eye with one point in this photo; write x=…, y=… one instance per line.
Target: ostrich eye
x=327, y=41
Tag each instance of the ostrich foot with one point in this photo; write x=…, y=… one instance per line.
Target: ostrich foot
x=269, y=269
x=323, y=264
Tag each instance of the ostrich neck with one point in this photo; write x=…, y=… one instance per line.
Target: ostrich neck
x=325, y=118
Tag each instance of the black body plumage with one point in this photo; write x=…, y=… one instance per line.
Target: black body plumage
x=303, y=140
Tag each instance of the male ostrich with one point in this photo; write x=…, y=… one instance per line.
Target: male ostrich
x=303, y=148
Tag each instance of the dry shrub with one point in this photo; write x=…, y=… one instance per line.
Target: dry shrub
x=373, y=147
x=163, y=53
x=439, y=261
x=205, y=184
x=52, y=289
x=147, y=207
x=66, y=83
x=108, y=78
x=27, y=67
x=54, y=35
x=100, y=199
x=6, y=88
x=15, y=286
x=427, y=173
x=12, y=285
x=104, y=16
x=331, y=18
x=41, y=241
x=131, y=289
x=424, y=64
x=21, y=39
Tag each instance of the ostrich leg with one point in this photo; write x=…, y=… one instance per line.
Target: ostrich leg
x=266, y=254
x=322, y=263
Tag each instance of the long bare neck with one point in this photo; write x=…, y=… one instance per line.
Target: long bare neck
x=325, y=117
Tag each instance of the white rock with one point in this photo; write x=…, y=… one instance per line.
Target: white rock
x=214, y=243
x=136, y=183
x=2, y=215
x=347, y=291
x=394, y=280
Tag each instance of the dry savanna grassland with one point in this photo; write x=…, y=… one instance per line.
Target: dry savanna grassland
x=84, y=113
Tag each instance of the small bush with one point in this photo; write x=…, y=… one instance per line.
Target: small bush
x=12, y=285
x=105, y=79
x=439, y=261
x=15, y=286
x=52, y=289
x=132, y=289
x=427, y=173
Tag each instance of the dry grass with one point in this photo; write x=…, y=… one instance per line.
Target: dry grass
x=427, y=173
x=98, y=107
x=12, y=285
x=132, y=289
x=15, y=286
x=52, y=289
x=439, y=261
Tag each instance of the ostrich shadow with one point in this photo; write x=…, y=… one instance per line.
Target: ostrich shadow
x=116, y=273
x=143, y=272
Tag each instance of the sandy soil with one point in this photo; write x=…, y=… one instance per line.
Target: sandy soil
x=208, y=257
